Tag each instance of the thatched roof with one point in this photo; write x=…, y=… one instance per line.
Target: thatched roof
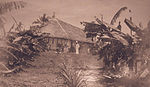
x=60, y=29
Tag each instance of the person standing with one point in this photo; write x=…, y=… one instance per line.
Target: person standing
x=119, y=26
x=77, y=47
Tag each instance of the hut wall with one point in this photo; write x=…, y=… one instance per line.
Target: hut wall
x=84, y=48
x=68, y=45
x=53, y=45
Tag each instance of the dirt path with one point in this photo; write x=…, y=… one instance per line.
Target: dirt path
x=92, y=74
x=42, y=75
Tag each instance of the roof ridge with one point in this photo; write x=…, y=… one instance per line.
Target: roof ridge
x=69, y=24
x=61, y=26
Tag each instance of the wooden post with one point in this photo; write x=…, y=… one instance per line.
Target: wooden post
x=131, y=30
x=135, y=66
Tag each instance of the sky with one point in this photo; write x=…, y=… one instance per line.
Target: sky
x=75, y=11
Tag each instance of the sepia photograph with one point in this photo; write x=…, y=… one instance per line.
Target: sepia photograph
x=74, y=43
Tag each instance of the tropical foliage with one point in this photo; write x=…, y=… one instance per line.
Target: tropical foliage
x=119, y=50
x=7, y=6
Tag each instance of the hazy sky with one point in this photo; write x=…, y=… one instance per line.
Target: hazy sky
x=75, y=11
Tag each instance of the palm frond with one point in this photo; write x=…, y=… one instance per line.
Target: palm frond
x=2, y=19
x=7, y=6
x=117, y=15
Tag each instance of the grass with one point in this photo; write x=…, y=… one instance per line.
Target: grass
x=71, y=76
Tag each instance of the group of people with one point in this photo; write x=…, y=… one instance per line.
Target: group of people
x=65, y=48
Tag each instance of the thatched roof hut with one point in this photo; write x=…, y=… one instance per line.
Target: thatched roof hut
x=60, y=29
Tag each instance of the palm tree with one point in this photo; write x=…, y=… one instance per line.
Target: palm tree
x=7, y=6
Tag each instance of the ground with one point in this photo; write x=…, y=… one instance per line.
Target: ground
x=43, y=71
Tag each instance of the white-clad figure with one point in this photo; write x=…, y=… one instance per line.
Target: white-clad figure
x=97, y=37
x=77, y=47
